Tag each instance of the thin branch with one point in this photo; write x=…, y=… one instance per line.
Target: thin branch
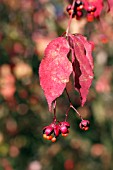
x=76, y=111
x=71, y=106
x=68, y=96
x=70, y=19
x=54, y=111
x=67, y=113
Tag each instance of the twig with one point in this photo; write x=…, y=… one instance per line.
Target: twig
x=70, y=19
x=71, y=106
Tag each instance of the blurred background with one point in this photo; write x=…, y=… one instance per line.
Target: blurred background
x=26, y=27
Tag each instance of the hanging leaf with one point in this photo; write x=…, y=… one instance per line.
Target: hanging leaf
x=82, y=64
x=88, y=48
x=110, y=4
x=55, y=69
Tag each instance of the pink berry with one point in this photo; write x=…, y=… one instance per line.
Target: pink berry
x=78, y=3
x=91, y=9
x=53, y=139
x=64, y=134
x=65, y=124
x=56, y=130
x=68, y=7
x=84, y=125
x=48, y=130
x=63, y=129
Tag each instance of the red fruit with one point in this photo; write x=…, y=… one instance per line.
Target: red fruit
x=64, y=135
x=68, y=8
x=79, y=14
x=49, y=137
x=65, y=123
x=48, y=130
x=63, y=129
x=79, y=8
x=90, y=17
x=78, y=3
x=91, y=9
x=44, y=136
x=53, y=139
x=71, y=11
x=56, y=130
x=84, y=125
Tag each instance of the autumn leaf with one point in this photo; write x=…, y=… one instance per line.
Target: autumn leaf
x=88, y=48
x=55, y=69
x=110, y=4
x=82, y=62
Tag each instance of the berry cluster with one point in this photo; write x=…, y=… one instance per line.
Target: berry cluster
x=90, y=13
x=52, y=131
x=78, y=9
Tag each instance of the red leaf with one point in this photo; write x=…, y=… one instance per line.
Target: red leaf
x=55, y=69
x=110, y=4
x=88, y=48
x=82, y=64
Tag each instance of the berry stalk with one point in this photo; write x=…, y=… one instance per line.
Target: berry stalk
x=71, y=106
x=70, y=19
x=54, y=111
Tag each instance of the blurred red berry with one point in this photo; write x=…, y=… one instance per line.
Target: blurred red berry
x=57, y=129
x=84, y=125
x=53, y=139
